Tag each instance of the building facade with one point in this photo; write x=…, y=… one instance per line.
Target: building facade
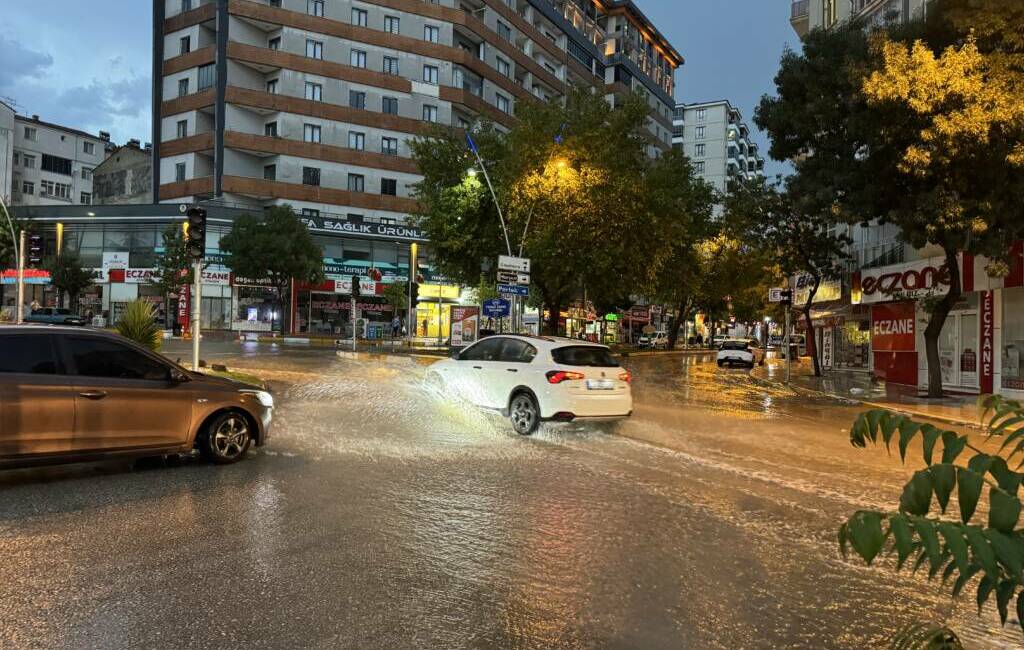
x=6, y=151
x=125, y=177
x=53, y=164
x=807, y=15
x=313, y=102
x=717, y=141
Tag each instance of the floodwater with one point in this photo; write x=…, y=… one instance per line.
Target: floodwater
x=384, y=516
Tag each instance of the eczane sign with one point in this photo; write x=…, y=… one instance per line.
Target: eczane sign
x=904, y=281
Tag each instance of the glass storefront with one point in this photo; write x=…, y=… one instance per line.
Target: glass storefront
x=853, y=345
x=257, y=309
x=1013, y=339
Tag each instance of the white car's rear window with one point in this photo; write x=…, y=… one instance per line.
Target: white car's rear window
x=584, y=355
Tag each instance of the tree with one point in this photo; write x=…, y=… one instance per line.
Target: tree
x=727, y=275
x=798, y=242
x=173, y=268
x=138, y=323
x=580, y=205
x=964, y=548
x=275, y=246
x=68, y=276
x=397, y=295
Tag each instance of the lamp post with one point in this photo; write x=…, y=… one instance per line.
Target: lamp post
x=19, y=258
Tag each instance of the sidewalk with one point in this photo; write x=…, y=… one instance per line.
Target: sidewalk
x=961, y=410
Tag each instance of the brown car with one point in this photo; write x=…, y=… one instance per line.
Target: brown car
x=68, y=394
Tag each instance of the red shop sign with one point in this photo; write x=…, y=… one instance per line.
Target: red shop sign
x=987, y=342
x=893, y=327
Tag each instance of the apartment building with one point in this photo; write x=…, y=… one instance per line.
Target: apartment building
x=53, y=164
x=717, y=141
x=313, y=102
x=806, y=15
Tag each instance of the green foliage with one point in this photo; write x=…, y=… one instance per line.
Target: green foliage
x=67, y=274
x=275, y=246
x=593, y=211
x=168, y=277
x=396, y=294
x=960, y=548
x=8, y=248
x=926, y=636
x=138, y=323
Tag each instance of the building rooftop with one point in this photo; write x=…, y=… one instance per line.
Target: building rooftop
x=35, y=120
x=631, y=8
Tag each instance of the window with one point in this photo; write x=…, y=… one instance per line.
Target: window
x=270, y=172
x=184, y=45
x=315, y=7
x=89, y=148
x=28, y=187
x=431, y=33
x=86, y=198
x=389, y=146
x=389, y=105
x=310, y=212
x=311, y=133
x=391, y=24
x=30, y=133
x=504, y=31
x=357, y=59
x=702, y=115
x=578, y=355
x=356, y=183
x=186, y=5
x=699, y=166
x=356, y=140
x=270, y=129
x=698, y=150
x=699, y=132
x=390, y=65
x=501, y=102
x=389, y=186
x=28, y=354
x=30, y=161
x=182, y=128
x=429, y=113
x=272, y=86
x=430, y=74
x=179, y=172
x=274, y=43
x=16, y=160
x=56, y=165
x=359, y=17
x=311, y=176
x=356, y=99
x=517, y=351
x=486, y=350
x=55, y=190
x=503, y=66
x=101, y=357
x=314, y=49
x=182, y=87
x=314, y=92
x=86, y=173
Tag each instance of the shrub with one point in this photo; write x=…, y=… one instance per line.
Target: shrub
x=138, y=324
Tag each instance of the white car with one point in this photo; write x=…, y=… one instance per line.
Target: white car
x=745, y=352
x=656, y=341
x=531, y=379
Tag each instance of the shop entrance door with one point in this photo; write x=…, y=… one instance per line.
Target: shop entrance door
x=958, y=350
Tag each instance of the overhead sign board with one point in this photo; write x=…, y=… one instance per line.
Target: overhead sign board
x=508, y=263
x=776, y=294
x=513, y=277
x=513, y=290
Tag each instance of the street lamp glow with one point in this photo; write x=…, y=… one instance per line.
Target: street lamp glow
x=561, y=163
x=471, y=172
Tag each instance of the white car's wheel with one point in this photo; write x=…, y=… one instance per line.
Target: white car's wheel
x=524, y=414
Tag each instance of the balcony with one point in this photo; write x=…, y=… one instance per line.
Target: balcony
x=800, y=17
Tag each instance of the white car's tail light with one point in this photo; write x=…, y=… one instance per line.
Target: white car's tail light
x=626, y=376
x=558, y=376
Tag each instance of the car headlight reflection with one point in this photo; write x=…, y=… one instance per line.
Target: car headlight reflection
x=265, y=398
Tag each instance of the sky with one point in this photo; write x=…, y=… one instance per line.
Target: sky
x=88, y=65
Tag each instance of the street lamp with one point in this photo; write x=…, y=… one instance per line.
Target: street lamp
x=471, y=172
x=19, y=260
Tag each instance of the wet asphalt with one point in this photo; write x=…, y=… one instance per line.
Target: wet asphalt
x=383, y=516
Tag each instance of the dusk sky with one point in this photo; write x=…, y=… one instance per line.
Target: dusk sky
x=88, y=65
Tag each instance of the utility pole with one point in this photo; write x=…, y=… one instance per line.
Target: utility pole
x=197, y=293
x=21, y=277
x=355, y=293
x=788, y=302
x=196, y=247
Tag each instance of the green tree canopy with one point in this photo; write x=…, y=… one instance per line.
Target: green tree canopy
x=68, y=276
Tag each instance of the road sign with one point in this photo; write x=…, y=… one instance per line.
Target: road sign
x=513, y=290
x=779, y=294
x=513, y=277
x=508, y=263
x=497, y=308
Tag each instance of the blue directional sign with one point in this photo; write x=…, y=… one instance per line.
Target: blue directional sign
x=497, y=308
x=513, y=290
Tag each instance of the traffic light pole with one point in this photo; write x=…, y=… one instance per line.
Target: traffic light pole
x=21, y=277
x=197, y=300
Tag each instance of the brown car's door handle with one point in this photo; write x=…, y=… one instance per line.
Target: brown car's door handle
x=512, y=369
x=93, y=394
x=478, y=367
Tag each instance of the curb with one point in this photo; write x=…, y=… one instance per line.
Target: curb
x=661, y=353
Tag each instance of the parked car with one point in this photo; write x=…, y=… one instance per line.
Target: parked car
x=747, y=352
x=798, y=342
x=654, y=341
x=69, y=394
x=532, y=379
x=55, y=316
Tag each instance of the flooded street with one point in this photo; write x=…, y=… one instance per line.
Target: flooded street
x=383, y=516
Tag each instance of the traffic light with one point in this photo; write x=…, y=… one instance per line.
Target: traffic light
x=414, y=292
x=34, y=254
x=355, y=287
x=196, y=244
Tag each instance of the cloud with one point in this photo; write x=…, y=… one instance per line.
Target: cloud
x=20, y=62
